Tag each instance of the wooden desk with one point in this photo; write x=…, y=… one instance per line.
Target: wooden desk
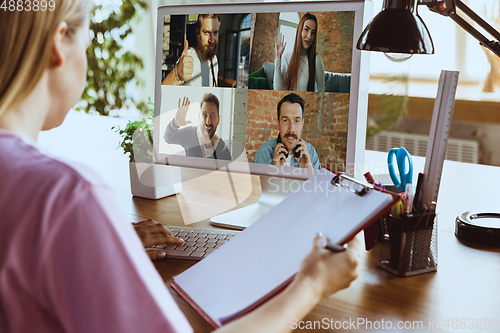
x=466, y=284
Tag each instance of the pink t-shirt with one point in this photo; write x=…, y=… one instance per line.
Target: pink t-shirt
x=69, y=262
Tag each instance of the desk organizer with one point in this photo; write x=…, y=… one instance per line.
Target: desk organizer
x=408, y=246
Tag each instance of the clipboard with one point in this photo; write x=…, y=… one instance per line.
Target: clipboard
x=263, y=259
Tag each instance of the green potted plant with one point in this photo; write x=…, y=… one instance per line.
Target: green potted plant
x=111, y=67
x=147, y=180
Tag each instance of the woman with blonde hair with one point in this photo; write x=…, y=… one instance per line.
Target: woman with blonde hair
x=69, y=262
x=302, y=69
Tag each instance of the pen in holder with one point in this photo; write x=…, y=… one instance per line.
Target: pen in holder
x=407, y=245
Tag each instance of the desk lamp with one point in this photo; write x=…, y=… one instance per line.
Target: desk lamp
x=398, y=29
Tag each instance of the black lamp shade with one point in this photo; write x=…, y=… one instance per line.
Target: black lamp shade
x=397, y=29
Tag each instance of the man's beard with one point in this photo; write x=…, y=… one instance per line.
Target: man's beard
x=293, y=135
x=207, y=53
x=208, y=134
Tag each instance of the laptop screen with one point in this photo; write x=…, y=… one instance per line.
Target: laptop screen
x=280, y=86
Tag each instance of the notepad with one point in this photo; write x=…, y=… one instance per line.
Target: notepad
x=261, y=261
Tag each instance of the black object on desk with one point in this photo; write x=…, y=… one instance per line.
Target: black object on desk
x=408, y=245
x=417, y=201
x=479, y=227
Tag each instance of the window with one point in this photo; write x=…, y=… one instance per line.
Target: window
x=454, y=49
x=288, y=23
x=244, y=58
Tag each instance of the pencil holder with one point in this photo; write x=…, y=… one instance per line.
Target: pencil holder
x=408, y=245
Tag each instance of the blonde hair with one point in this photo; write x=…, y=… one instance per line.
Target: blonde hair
x=206, y=16
x=26, y=41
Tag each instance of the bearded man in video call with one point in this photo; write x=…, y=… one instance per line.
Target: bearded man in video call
x=199, y=66
x=289, y=149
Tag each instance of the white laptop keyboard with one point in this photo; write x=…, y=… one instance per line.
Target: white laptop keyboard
x=198, y=243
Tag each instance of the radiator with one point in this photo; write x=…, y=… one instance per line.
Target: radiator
x=457, y=150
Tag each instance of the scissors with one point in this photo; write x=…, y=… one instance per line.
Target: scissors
x=405, y=167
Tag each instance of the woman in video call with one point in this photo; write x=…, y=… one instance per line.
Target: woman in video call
x=301, y=69
x=69, y=260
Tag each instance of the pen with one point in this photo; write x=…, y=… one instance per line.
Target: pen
x=325, y=243
x=418, y=193
x=369, y=178
x=408, y=199
x=334, y=247
x=397, y=209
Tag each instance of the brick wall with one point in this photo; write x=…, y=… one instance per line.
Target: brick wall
x=325, y=123
x=335, y=40
x=325, y=127
x=262, y=39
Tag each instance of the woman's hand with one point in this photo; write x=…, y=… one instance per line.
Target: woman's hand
x=153, y=233
x=325, y=272
x=321, y=274
x=280, y=45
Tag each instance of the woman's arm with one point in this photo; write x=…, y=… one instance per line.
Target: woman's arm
x=280, y=68
x=279, y=74
x=278, y=78
x=320, y=73
x=321, y=274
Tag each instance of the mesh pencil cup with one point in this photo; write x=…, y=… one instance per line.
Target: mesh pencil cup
x=408, y=245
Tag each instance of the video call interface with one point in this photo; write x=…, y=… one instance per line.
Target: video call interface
x=224, y=77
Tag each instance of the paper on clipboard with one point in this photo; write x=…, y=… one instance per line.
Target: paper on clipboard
x=263, y=259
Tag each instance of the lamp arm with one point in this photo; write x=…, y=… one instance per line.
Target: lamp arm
x=447, y=8
x=493, y=45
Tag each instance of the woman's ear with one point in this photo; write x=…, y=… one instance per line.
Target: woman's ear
x=57, y=55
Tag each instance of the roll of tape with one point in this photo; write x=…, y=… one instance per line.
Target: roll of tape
x=479, y=227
